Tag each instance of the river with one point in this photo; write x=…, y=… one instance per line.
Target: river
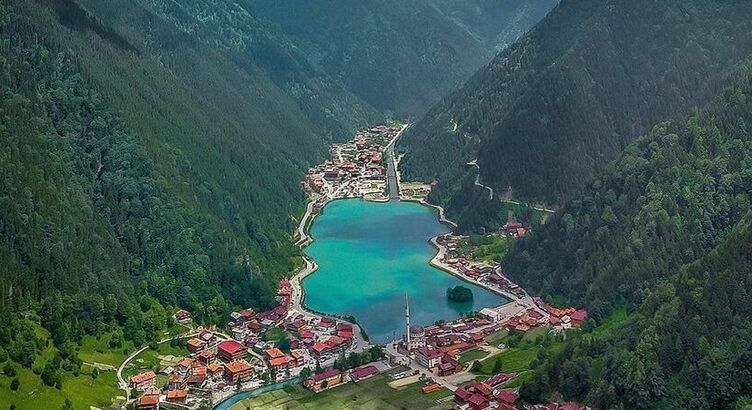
x=370, y=254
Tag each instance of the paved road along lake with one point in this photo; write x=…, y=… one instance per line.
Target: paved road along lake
x=370, y=254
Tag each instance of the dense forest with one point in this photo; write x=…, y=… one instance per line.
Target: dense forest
x=91, y=235
x=144, y=169
x=566, y=99
x=665, y=233
x=401, y=57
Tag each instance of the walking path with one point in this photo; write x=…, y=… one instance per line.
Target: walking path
x=122, y=382
x=536, y=207
x=303, y=238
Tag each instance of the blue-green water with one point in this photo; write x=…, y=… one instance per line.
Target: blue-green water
x=370, y=254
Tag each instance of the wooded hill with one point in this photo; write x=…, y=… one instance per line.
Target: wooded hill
x=401, y=57
x=566, y=98
x=663, y=233
x=148, y=162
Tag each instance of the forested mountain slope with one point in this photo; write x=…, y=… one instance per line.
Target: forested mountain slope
x=687, y=347
x=400, y=56
x=145, y=168
x=567, y=97
x=672, y=196
x=496, y=23
x=666, y=230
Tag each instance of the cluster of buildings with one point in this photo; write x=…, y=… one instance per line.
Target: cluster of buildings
x=565, y=318
x=487, y=394
x=215, y=363
x=355, y=169
x=464, y=264
x=218, y=363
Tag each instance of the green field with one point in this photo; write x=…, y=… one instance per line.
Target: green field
x=82, y=390
x=155, y=360
x=373, y=393
x=518, y=358
x=495, y=338
x=486, y=248
x=98, y=350
x=472, y=355
x=273, y=335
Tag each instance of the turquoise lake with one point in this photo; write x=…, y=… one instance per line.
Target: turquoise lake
x=370, y=254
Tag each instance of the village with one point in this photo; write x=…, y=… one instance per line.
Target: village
x=357, y=169
x=291, y=343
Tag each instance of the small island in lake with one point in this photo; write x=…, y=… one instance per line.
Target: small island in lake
x=460, y=294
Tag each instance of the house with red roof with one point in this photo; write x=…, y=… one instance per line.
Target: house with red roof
x=177, y=395
x=143, y=380
x=429, y=357
x=325, y=323
x=478, y=402
x=183, y=316
x=578, y=317
x=506, y=398
x=237, y=371
x=148, y=402
x=363, y=372
x=499, y=378
x=231, y=350
x=449, y=366
x=283, y=362
x=206, y=357
x=325, y=380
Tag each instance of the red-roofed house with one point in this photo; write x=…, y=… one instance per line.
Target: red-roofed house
x=319, y=348
x=478, y=402
x=429, y=357
x=206, y=357
x=231, y=350
x=499, y=378
x=325, y=380
x=578, y=317
x=143, y=380
x=506, y=398
x=183, y=316
x=148, y=402
x=273, y=353
x=177, y=395
x=239, y=370
x=362, y=373
x=282, y=363
x=325, y=323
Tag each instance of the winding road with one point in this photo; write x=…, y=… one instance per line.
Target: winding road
x=474, y=163
x=122, y=382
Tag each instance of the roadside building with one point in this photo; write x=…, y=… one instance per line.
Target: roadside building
x=429, y=357
x=449, y=366
x=143, y=380
x=148, y=402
